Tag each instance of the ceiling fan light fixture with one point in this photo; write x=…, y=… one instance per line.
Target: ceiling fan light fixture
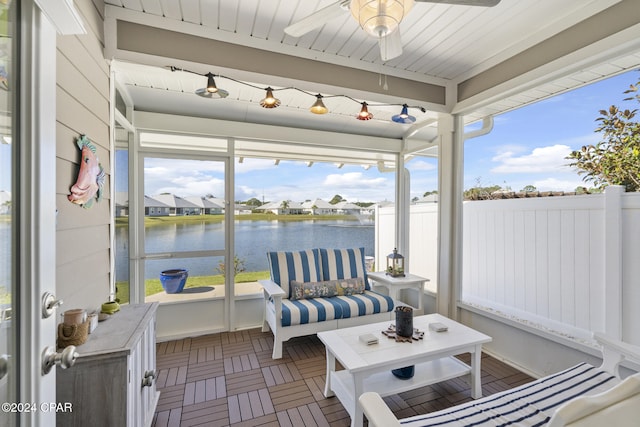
x=211, y=84
x=404, y=116
x=318, y=107
x=380, y=18
x=364, y=113
x=270, y=101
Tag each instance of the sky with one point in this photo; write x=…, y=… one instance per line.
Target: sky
x=527, y=146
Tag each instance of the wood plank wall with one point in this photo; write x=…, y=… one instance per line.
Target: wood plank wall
x=82, y=103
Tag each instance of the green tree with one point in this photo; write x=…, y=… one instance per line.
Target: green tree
x=529, y=189
x=480, y=192
x=253, y=202
x=615, y=160
x=337, y=199
x=238, y=266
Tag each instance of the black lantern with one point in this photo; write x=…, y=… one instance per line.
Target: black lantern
x=395, y=264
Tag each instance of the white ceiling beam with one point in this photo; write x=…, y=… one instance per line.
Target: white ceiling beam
x=258, y=132
x=618, y=45
x=117, y=13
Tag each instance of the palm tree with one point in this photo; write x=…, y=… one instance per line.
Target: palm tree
x=284, y=205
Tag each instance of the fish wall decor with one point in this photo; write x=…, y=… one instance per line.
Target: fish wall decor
x=90, y=177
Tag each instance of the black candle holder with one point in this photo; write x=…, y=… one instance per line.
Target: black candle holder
x=404, y=328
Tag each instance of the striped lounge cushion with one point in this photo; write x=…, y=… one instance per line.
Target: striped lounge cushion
x=531, y=404
x=301, y=311
x=313, y=310
x=302, y=266
x=362, y=304
x=344, y=264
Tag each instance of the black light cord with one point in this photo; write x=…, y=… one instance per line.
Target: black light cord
x=174, y=69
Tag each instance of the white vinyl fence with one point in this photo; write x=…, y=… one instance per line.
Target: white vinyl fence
x=570, y=264
x=422, y=258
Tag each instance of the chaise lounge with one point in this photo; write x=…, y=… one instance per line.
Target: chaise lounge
x=581, y=396
x=317, y=290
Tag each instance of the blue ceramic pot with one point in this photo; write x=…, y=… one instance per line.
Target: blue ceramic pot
x=404, y=373
x=173, y=281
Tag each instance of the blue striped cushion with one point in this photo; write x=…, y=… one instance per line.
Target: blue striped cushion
x=302, y=266
x=362, y=304
x=298, y=312
x=531, y=404
x=344, y=264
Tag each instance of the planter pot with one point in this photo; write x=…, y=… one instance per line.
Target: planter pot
x=110, y=307
x=173, y=281
x=404, y=321
x=404, y=373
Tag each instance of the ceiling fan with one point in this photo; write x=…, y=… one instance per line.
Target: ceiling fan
x=379, y=18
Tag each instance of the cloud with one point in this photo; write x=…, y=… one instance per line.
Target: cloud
x=184, y=177
x=421, y=165
x=251, y=165
x=184, y=187
x=353, y=180
x=540, y=160
x=554, y=184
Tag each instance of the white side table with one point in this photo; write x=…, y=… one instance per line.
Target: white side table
x=395, y=284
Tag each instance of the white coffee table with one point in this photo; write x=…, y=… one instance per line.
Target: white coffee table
x=368, y=367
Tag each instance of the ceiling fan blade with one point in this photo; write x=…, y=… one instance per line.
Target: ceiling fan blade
x=391, y=46
x=317, y=19
x=485, y=3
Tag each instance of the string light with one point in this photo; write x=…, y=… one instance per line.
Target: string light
x=211, y=83
x=270, y=101
x=318, y=107
x=404, y=116
x=364, y=113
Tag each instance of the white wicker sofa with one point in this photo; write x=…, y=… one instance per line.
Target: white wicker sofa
x=317, y=290
x=581, y=396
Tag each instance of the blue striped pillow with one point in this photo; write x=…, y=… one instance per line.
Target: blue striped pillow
x=301, y=266
x=344, y=264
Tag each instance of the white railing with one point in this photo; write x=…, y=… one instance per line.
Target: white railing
x=570, y=264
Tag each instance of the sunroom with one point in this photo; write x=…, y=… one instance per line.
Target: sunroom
x=134, y=80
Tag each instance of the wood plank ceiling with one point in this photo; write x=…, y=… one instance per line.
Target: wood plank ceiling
x=443, y=45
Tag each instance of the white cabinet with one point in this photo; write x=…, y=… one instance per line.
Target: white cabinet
x=113, y=380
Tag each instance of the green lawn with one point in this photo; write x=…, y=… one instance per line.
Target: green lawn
x=164, y=220
x=153, y=286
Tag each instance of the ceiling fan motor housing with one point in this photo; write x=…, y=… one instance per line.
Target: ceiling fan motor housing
x=380, y=18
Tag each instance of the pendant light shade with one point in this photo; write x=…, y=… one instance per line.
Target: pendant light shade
x=211, y=84
x=404, y=116
x=220, y=93
x=380, y=18
x=364, y=113
x=270, y=101
x=318, y=107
